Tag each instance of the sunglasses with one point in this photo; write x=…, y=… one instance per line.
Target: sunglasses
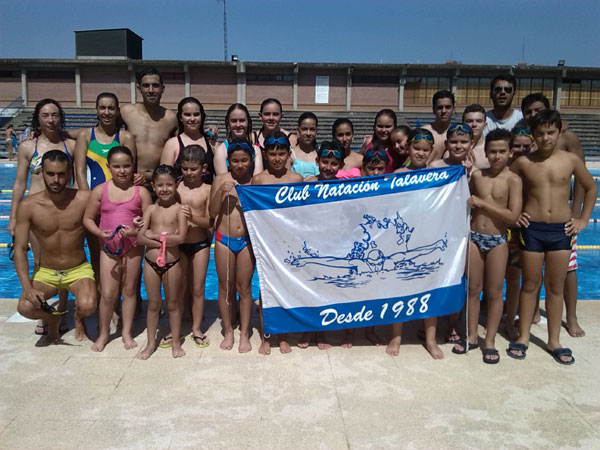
x=460, y=127
x=418, y=137
x=279, y=140
x=327, y=152
x=498, y=89
x=119, y=250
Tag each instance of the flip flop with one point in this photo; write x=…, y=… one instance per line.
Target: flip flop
x=201, y=341
x=490, y=352
x=466, y=346
x=516, y=346
x=165, y=342
x=562, y=351
x=41, y=329
x=452, y=337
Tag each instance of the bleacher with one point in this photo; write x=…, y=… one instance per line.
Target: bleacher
x=587, y=126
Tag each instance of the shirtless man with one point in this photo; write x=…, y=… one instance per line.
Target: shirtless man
x=569, y=142
x=502, y=115
x=474, y=116
x=55, y=217
x=150, y=123
x=443, y=108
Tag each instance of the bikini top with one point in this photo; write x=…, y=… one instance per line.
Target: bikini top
x=304, y=168
x=210, y=169
x=35, y=164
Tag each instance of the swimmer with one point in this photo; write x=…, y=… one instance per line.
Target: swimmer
x=164, y=228
x=117, y=202
x=399, y=149
x=420, y=147
x=474, y=116
x=270, y=114
x=459, y=142
x=385, y=122
x=443, y=109
x=342, y=131
x=304, y=153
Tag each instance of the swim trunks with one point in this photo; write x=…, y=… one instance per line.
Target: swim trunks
x=160, y=271
x=486, y=242
x=191, y=248
x=97, y=170
x=234, y=243
x=63, y=279
x=544, y=237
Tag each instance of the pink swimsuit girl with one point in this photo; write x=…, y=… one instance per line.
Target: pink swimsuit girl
x=113, y=216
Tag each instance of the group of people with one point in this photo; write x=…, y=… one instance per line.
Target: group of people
x=160, y=189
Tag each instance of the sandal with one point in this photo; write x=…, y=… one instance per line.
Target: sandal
x=466, y=346
x=487, y=353
x=201, y=341
x=165, y=342
x=516, y=347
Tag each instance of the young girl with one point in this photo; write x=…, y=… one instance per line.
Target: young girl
x=164, y=228
x=303, y=155
x=342, y=131
x=234, y=259
x=238, y=125
x=420, y=146
x=190, y=119
x=117, y=202
x=385, y=122
x=195, y=250
x=276, y=153
x=270, y=114
x=399, y=148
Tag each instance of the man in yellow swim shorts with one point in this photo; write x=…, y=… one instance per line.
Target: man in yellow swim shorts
x=55, y=217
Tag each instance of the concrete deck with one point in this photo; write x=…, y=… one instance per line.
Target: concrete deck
x=67, y=397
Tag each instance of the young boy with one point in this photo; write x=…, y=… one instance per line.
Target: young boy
x=496, y=198
x=276, y=153
x=474, y=116
x=459, y=142
x=547, y=228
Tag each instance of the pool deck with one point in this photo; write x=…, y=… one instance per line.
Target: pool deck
x=67, y=397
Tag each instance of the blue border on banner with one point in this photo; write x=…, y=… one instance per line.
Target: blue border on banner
x=275, y=196
x=437, y=302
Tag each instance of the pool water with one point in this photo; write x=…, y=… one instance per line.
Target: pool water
x=588, y=252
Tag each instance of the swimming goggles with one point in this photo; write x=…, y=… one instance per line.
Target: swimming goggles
x=327, y=152
x=279, y=140
x=373, y=153
x=522, y=132
x=119, y=250
x=460, y=127
x=51, y=309
x=420, y=136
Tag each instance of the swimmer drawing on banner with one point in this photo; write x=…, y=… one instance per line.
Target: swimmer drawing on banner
x=366, y=260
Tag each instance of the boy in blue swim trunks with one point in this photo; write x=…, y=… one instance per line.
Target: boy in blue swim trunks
x=547, y=228
x=496, y=199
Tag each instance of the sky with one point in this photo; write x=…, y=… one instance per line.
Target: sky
x=366, y=31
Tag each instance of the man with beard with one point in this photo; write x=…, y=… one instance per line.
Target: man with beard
x=55, y=217
x=502, y=115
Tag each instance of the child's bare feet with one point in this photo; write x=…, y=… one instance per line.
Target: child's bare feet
x=372, y=336
x=227, y=342
x=574, y=329
x=176, y=350
x=128, y=342
x=434, y=350
x=244, y=346
x=348, y=339
x=146, y=351
x=393, y=348
x=100, y=343
x=284, y=346
x=80, y=333
x=304, y=340
x=322, y=342
x=265, y=347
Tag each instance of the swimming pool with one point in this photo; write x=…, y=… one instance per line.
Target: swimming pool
x=588, y=254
